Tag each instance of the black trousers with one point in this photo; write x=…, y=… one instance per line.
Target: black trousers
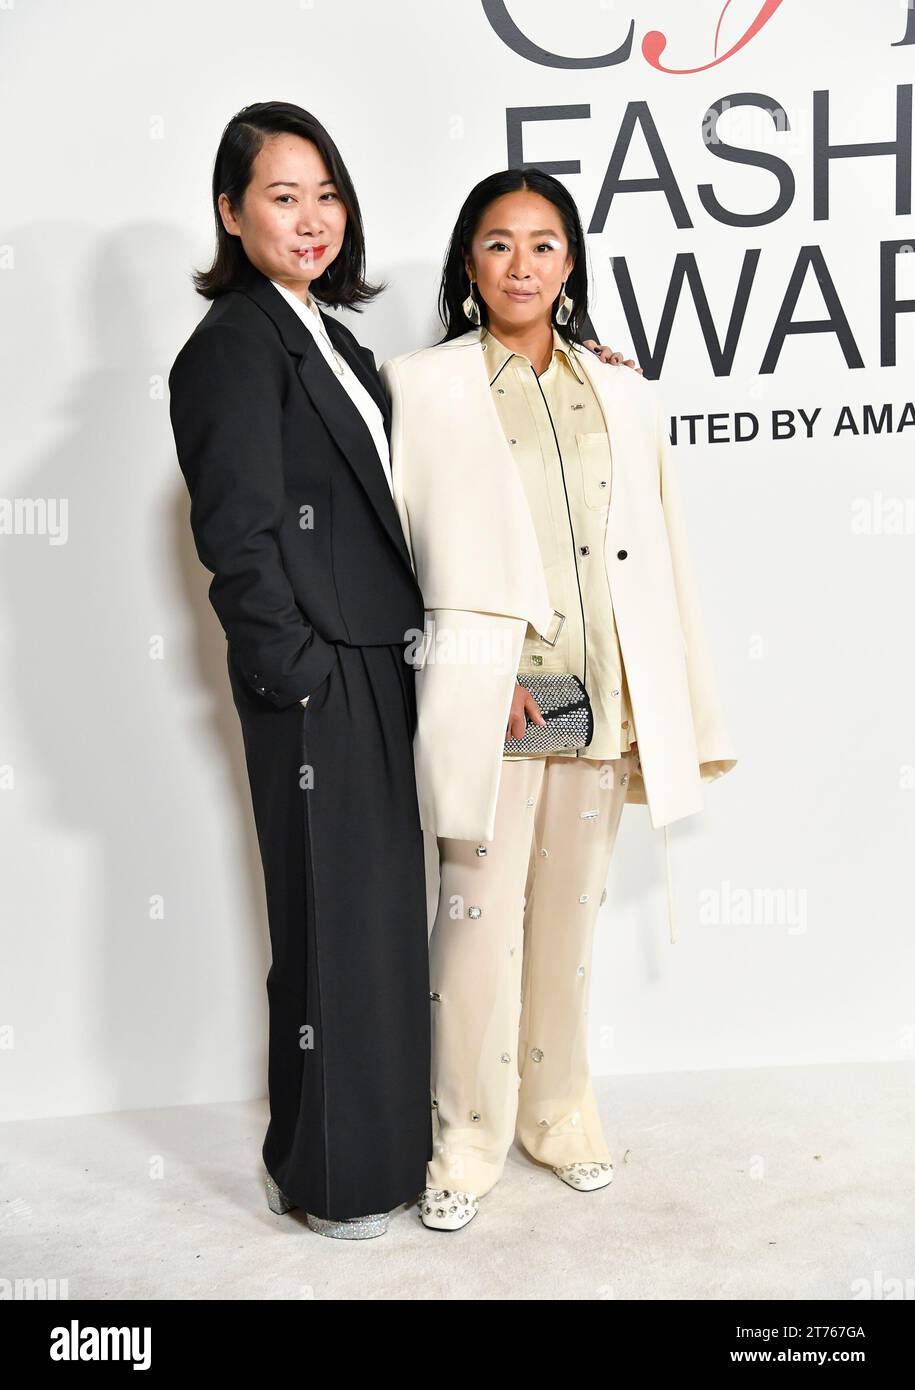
x=334, y=797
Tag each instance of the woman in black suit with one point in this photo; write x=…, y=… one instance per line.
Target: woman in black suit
x=281, y=426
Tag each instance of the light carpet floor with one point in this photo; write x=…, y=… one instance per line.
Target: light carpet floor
x=792, y=1182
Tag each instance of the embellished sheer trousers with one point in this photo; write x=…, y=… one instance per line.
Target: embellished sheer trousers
x=510, y=967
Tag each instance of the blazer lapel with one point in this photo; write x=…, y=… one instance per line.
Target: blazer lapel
x=366, y=374
x=329, y=398
x=351, y=434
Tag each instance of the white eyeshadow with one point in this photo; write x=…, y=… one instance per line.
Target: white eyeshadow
x=545, y=241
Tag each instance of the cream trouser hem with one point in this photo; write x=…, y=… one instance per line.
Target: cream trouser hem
x=510, y=965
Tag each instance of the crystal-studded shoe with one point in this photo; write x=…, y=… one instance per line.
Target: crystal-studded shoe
x=443, y=1210
x=586, y=1177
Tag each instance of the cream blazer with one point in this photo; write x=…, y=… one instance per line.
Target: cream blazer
x=471, y=536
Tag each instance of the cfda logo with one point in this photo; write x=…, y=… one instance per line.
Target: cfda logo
x=653, y=44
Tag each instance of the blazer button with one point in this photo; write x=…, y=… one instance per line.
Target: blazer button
x=584, y=550
x=621, y=554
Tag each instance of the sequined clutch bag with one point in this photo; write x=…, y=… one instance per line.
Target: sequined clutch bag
x=566, y=708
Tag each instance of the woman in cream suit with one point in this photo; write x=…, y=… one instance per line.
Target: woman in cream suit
x=539, y=497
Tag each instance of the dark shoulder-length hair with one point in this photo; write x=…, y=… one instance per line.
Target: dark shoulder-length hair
x=343, y=283
x=455, y=285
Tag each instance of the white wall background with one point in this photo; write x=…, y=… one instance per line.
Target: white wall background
x=134, y=944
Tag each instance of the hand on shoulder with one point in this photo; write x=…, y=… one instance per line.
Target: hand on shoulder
x=609, y=355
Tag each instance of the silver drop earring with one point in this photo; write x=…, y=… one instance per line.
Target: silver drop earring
x=471, y=307
x=566, y=305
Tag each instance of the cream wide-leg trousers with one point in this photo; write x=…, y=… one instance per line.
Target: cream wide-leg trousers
x=510, y=967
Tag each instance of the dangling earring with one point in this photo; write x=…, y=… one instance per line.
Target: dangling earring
x=566, y=305
x=471, y=308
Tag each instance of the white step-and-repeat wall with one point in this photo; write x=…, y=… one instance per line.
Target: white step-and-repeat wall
x=744, y=171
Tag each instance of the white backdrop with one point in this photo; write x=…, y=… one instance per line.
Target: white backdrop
x=134, y=929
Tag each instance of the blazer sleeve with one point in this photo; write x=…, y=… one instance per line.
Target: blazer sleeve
x=226, y=414
x=716, y=751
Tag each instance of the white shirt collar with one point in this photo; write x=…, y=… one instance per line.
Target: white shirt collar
x=309, y=313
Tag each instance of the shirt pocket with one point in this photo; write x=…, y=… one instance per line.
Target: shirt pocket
x=595, y=460
x=539, y=657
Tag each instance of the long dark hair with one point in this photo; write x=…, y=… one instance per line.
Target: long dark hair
x=455, y=285
x=343, y=283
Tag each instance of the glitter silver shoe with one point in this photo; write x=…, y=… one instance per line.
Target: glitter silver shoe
x=277, y=1200
x=350, y=1228
x=443, y=1210
x=586, y=1177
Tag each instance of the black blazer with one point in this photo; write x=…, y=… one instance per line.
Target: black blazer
x=264, y=432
